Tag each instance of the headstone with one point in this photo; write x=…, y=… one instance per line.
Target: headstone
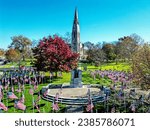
x=76, y=78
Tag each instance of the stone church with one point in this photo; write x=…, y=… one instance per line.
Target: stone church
x=76, y=45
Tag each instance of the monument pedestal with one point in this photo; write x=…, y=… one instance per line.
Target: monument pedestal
x=76, y=78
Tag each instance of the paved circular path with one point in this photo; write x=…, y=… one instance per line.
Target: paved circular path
x=73, y=96
x=73, y=92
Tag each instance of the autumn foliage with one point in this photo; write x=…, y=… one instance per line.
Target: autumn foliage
x=2, y=52
x=141, y=66
x=53, y=54
x=12, y=55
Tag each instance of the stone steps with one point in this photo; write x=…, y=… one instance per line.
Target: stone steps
x=74, y=109
x=77, y=101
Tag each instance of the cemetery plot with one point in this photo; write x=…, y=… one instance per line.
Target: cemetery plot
x=21, y=91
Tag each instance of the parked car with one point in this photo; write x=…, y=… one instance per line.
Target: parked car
x=3, y=61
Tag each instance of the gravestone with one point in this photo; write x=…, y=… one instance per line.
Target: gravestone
x=76, y=78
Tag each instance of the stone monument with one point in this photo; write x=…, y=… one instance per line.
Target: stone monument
x=76, y=78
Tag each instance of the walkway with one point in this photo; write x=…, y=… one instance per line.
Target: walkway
x=74, y=109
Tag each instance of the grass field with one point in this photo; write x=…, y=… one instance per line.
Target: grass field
x=45, y=106
x=87, y=79
x=122, y=66
x=27, y=62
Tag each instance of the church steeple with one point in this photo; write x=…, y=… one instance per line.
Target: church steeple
x=76, y=16
x=76, y=34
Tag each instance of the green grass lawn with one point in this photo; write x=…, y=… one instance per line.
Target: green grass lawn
x=27, y=62
x=46, y=106
x=87, y=79
x=122, y=66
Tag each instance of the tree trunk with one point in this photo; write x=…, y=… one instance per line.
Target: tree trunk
x=23, y=57
x=23, y=53
x=116, y=61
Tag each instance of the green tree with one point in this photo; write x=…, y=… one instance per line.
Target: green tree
x=94, y=53
x=109, y=50
x=2, y=52
x=141, y=66
x=12, y=55
x=22, y=44
x=127, y=45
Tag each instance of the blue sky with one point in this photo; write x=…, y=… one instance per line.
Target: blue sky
x=100, y=20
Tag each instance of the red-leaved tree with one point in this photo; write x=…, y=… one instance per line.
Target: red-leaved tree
x=53, y=54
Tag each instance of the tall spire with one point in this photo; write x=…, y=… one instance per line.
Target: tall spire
x=76, y=16
x=76, y=33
